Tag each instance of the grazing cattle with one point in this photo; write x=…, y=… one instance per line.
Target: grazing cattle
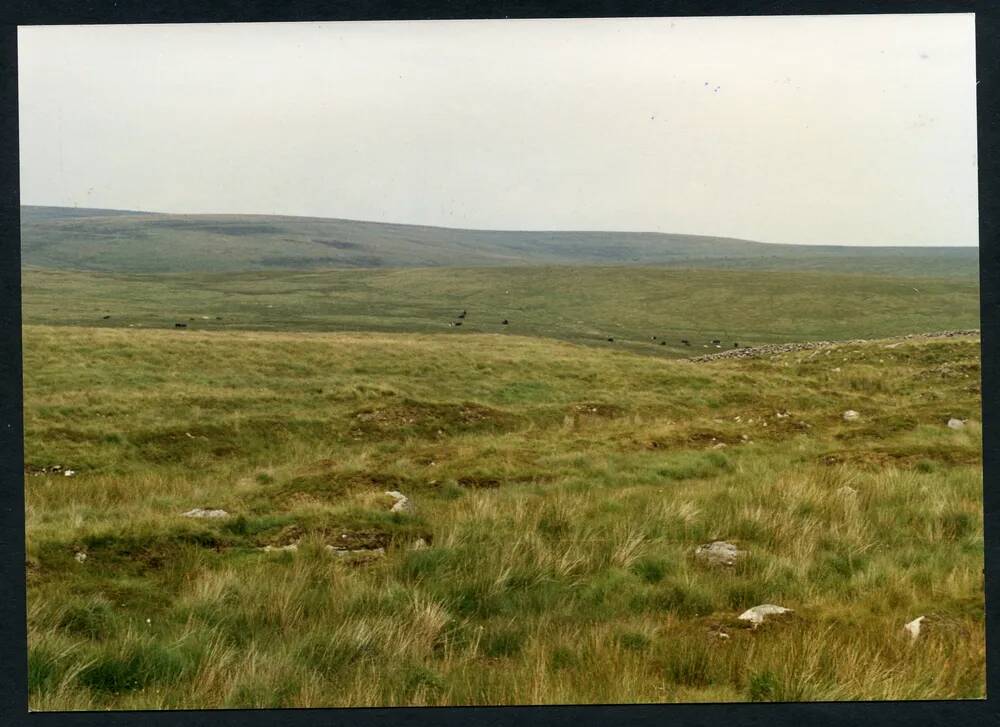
x=736, y=345
x=685, y=342
x=716, y=341
x=458, y=323
x=218, y=318
x=106, y=317
x=611, y=340
x=462, y=314
x=663, y=343
x=180, y=325
x=652, y=338
x=504, y=322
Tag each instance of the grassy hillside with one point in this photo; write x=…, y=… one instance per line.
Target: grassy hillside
x=584, y=304
x=117, y=241
x=560, y=491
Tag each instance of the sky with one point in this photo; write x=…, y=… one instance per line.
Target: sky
x=857, y=130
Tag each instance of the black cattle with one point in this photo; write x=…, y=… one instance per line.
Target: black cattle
x=685, y=342
x=462, y=314
x=736, y=345
x=716, y=341
x=652, y=338
x=218, y=318
x=504, y=322
x=180, y=325
x=611, y=340
x=458, y=323
x=663, y=343
x=106, y=317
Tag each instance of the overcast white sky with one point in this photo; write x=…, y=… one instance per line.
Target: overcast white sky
x=845, y=130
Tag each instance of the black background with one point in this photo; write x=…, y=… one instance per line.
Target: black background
x=13, y=647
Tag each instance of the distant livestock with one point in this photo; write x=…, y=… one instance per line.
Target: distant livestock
x=716, y=341
x=458, y=323
x=106, y=317
x=504, y=322
x=611, y=340
x=462, y=314
x=685, y=342
x=180, y=325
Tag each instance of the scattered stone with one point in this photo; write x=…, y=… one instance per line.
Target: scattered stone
x=722, y=635
x=719, y=552
x=745, y=437
x=758, y=614
x=780, y=348
x=781, y=414
x=850, y=415
x=402, y=504
x=364, y=553
x=199, y=512
x=80, y=557
x=913, y=627
x=956, y=423
x=846, y=491
x=271, y=548
x=720, y=445
x=419, y=544
x=69, y=473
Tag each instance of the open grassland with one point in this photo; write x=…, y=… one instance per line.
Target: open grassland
x=584, y=305
x=560, y=489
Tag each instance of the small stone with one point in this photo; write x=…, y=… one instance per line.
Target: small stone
x=956, y=424
x=719, y=552
x=199, y=512
x=913, y=627
x=402, y=504
x=758, y=614
x=290, y=547
x=720, y=445
x=69, y=473
x=850, y=415
x=80, y=557
x=419, y=544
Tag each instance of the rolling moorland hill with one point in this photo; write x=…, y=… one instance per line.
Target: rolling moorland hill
x=143, y=242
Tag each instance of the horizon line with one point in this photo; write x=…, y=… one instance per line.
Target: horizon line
x=500, y=230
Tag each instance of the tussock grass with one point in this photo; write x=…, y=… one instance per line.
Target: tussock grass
x=560, y=524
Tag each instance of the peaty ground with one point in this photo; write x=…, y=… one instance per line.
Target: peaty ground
x=560, y=489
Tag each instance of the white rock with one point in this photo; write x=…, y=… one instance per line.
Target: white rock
x=850, y=415
x=718, y=552
x=80, y=557
x=344, y=552
x=290, y=547
x=956, y=424
x=69, y=473
x=419, y=544
x=199, y=512
x=720, y=445
x=913, y=627
x=757, y=614
x=402, y=503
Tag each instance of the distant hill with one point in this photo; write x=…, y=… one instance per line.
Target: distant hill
x=145, y=242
